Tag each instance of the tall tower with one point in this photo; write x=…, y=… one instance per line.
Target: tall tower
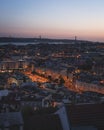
x=75, y=39
x=40, y=37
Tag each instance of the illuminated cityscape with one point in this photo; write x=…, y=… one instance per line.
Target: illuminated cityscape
x=44, y=75
x=51, y=65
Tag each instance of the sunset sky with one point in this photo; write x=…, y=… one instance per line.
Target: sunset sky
x=53, y=19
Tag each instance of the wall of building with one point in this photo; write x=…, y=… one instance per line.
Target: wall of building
x=89, y=87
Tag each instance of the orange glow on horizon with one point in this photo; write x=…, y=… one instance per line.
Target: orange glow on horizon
x=93, y=35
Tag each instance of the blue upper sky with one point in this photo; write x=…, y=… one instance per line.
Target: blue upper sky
x=53, y=18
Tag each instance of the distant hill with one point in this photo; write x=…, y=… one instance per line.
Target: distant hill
x=13, y=39
x=42, y=40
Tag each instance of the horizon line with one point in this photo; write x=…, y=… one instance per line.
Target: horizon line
x=45, y=38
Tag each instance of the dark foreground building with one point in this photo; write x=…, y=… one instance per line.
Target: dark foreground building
x=69, y=117
x=86, y=116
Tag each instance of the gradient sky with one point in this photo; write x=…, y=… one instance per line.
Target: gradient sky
x=53, y=18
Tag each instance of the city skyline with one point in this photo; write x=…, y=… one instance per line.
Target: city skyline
x=52, y=19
